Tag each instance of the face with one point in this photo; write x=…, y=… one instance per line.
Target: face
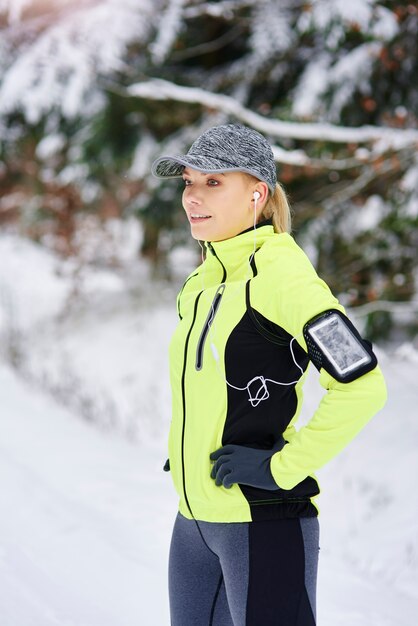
x=220, y=206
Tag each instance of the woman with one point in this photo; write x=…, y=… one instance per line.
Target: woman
x=244, y=549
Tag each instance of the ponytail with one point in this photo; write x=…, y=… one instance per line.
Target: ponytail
x=278, y=209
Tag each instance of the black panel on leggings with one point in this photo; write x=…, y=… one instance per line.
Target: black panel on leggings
x=277, y=595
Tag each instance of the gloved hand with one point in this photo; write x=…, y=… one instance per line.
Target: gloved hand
x=247, y=466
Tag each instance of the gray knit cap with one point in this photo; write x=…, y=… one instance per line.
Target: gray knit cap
x=226, y=148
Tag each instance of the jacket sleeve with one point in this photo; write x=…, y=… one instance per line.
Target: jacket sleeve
x=342, y=413
x=299, y=295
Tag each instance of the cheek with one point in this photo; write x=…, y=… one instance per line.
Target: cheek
x=238, y=212
x=183, y=199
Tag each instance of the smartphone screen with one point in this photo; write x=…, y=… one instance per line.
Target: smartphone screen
x=339, y=344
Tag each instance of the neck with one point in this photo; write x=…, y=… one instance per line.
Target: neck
x=266, y=222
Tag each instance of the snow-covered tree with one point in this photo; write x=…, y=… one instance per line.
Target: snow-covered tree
x=93, y=90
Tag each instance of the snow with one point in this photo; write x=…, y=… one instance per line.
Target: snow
x=86, y=510
x=60, y=67
x=333, y=16
x=386, y=26
x=85, y=538
x=368, y=218
x=271, y=30
x=409, y=183
x=350, y=73
x=144, y=155
x=311, y=86
x=323, y=82
x=41, y=294
x=50, y=145
x=170, y=24
x=376, y=471
x=358, y=11
x=34, y=323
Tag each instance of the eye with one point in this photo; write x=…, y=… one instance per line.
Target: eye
x=212, y=182
x=187, y=182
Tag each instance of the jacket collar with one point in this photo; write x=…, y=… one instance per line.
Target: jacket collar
x=236, y=250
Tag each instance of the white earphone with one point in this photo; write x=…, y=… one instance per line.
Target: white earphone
x=256, y=195
x=260, y=392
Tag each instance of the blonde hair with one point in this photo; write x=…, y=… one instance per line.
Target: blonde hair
x=278, y=209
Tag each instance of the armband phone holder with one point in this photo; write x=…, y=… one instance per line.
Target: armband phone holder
x=335, y=344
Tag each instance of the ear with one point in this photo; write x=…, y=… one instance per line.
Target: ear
x=263, y=190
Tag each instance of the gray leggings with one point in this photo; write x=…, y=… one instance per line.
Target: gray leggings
x=243, y=574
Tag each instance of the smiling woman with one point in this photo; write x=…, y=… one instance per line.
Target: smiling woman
x=238, y=170
x=244, y=550
x=220, y=206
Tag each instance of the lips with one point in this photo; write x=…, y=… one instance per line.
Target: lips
x=195, y=218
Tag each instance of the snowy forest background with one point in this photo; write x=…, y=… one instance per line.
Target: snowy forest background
x=93, y=250
x=93, y=90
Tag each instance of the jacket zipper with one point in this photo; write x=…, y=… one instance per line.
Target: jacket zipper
x=183, y=380
x=180, y=294
x=208, y=323
x=183, y=394
x=216, y=257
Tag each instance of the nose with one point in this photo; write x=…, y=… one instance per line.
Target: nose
x=191, y=196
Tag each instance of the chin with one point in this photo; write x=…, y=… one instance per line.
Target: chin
x=210, y=234
x=201, y=234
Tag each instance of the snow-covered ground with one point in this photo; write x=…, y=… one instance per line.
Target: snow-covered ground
x=86, y=512
x=85, y=519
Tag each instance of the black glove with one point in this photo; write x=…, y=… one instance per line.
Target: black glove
x=247, y=466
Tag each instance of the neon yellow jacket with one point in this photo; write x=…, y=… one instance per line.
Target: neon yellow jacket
x=238, y=315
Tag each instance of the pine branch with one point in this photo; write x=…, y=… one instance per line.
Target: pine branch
x=336, y=201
